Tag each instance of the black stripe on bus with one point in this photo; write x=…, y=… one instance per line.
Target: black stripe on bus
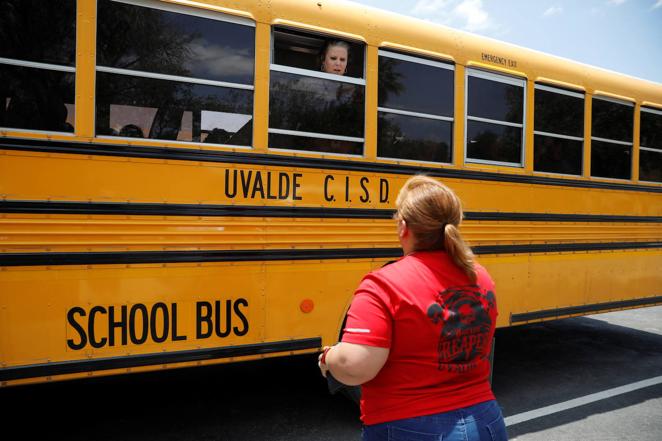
x=138, y=257
x=582, y=309
x=132, y=361
x=115, y=208
x=181, y=154
x=563, y=247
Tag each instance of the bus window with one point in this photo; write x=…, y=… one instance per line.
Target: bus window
x=611, y=138
x=495, y=118
x=317, y=96
x=37, y=64
x=558, y=142
x=650, y=145
x=172, y=73
x=415, y=118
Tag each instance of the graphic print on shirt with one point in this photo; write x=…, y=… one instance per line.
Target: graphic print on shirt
x=464, y=314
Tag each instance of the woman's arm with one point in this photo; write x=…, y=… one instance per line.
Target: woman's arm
x=353, y=364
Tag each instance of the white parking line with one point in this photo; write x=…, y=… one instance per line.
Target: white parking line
x=559, y=407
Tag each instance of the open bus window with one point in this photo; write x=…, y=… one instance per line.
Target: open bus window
x=37, y=64
x=558, y=144
x=415, y=118
x=317, y=94
x=173, y=73
x=611, y=138
x=650, y=145
x=308, y=51
x=495, y=118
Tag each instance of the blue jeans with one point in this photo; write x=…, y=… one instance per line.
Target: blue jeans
x=481, y=422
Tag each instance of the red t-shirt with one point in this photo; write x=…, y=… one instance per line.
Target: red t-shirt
x=438, y=326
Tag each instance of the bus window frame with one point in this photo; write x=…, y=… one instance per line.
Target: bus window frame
x=613, y=141
x=648, y=149
x=501, y=78
x=428, y=62
x=185, y=10
x=572, y=93
x=325, y=76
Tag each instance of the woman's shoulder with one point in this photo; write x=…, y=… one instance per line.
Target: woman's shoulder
x=483, y=277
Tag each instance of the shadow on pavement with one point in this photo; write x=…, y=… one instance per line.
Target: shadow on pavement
x=275, y=399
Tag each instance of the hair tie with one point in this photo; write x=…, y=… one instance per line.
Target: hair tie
x=443, y=236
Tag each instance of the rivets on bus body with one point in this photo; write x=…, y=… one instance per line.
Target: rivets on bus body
x=307, y=306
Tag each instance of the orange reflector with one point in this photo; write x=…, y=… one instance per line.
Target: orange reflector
x=307, y=306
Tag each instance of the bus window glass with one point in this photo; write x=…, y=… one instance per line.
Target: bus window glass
x=317, y=105
x=559, y=111
x=415, y=98
x=495, y=100
x=610, y=160
x=35, y=30
x=172, y=110
x=322, y=145
x=558, y=141
x=414, y=86
x=650, y=165
x=37, y=65
x=611, y=139
x=37, y=99
x=408, y=137
x=494, y=142
x=651, y=128
x=557, y=155
x=650, y=150
x=316, y=99
x=495, y=118
x=174, y=73
x=165, y=42
x=612, y=120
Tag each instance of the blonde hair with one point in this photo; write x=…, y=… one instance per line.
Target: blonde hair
x=433, y=213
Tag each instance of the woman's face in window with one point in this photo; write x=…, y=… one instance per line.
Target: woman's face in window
x=335, y=60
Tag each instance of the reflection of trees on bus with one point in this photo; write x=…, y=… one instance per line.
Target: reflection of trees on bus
x=30, y=31
x=390, y=81
x=141, y=39
x=37, y=98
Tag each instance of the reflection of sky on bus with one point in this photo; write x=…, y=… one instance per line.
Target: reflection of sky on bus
x=230, y=122
x=236, y=64
x=620, y=35
x=230, y=45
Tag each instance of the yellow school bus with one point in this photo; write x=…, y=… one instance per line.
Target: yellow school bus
x=181, y=184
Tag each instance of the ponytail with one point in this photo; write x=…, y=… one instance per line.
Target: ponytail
x=459, y=251
x=433, y=212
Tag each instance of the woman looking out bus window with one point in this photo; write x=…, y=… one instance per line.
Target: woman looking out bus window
x=335, y=57
x=419, y=331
